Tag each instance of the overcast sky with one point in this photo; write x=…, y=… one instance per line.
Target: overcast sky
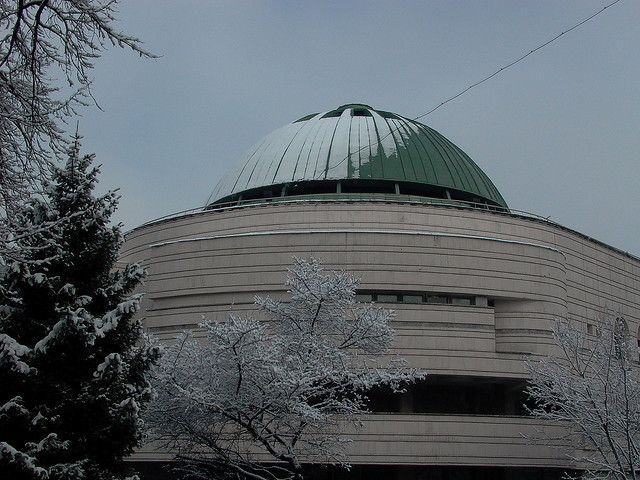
x=559, y=134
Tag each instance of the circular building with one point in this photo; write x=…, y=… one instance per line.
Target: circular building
x=475, y=285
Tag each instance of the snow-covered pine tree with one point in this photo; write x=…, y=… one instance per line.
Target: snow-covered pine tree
x=73, y=362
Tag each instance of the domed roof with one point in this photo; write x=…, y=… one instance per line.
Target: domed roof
x=360, y=149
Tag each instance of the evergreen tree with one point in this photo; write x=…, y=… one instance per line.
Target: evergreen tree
x=73, y=361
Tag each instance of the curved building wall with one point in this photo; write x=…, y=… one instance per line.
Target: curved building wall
x=521, y=272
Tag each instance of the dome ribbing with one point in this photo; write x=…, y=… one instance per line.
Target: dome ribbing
x=362, y=149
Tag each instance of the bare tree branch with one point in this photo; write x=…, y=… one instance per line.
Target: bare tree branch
x=279, y=390
x=47, y=49
x=592, y=386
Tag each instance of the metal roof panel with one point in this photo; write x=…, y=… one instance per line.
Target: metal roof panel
x=356, y=141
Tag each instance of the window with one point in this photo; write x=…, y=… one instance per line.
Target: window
x=386, y=298
x=359, y=112
x=410, y=298
x=364, y=297
x=368, y=186
x=415, y=298
x=443, y=394
x=638, y=340
x=437, y=299
x=463, y=301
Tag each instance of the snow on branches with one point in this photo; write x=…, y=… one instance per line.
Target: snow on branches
x=47, y=51
x=73, y=359
x=278, y=390
x=593, y=387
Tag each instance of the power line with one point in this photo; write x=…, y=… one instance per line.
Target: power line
x=518, y=60
x=485, y=79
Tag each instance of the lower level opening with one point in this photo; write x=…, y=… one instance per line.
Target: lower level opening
x=162, y=471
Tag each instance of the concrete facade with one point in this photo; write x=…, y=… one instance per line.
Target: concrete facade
x=522, y=272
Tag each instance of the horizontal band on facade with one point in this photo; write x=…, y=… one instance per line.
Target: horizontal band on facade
x=355, y=231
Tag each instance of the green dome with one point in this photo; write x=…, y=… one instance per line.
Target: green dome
x=357, y=149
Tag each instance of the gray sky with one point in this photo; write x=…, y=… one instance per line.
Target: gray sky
x=559, y=134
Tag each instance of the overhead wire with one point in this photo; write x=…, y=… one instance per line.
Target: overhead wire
x=469, y=87
x=481, y=81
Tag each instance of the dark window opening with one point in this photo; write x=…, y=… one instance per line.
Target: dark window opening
x=359, y=112
x=355, y=186
x=368, y=186
x=387, y=298
x=311, y=188
x=454, y=395
x=638, y=340
x=466, y=301
x=258, y=194
x=435, y=299
x=364, y=297
x=412, y=298
x=415, y=298
x=419, y=190
x=152, y=470
x=432, y=472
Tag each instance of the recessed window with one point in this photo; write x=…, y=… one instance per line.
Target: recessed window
x=437, y=299
x=453, y=395
x=463, y=301
x=421, y=190
x=408, y=298
x=416, y=298
x=311, y=188
x=386, y=298
x=360, y=112
x=368, y=186
x=364, y=297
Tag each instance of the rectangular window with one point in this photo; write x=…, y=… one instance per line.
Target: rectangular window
x=418, y=298
x=364, y=297
x=387, y=298
x=360, y=113
x=437, y=299
x=462, y=301
x=412, y=298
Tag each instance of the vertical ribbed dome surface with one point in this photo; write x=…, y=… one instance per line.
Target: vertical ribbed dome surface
x=356, y=141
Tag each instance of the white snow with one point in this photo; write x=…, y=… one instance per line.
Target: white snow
x=11, y=353
x=37, y=278
x=7, y=452
x=110, y=320
x=43, y=344
x=113, y=360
